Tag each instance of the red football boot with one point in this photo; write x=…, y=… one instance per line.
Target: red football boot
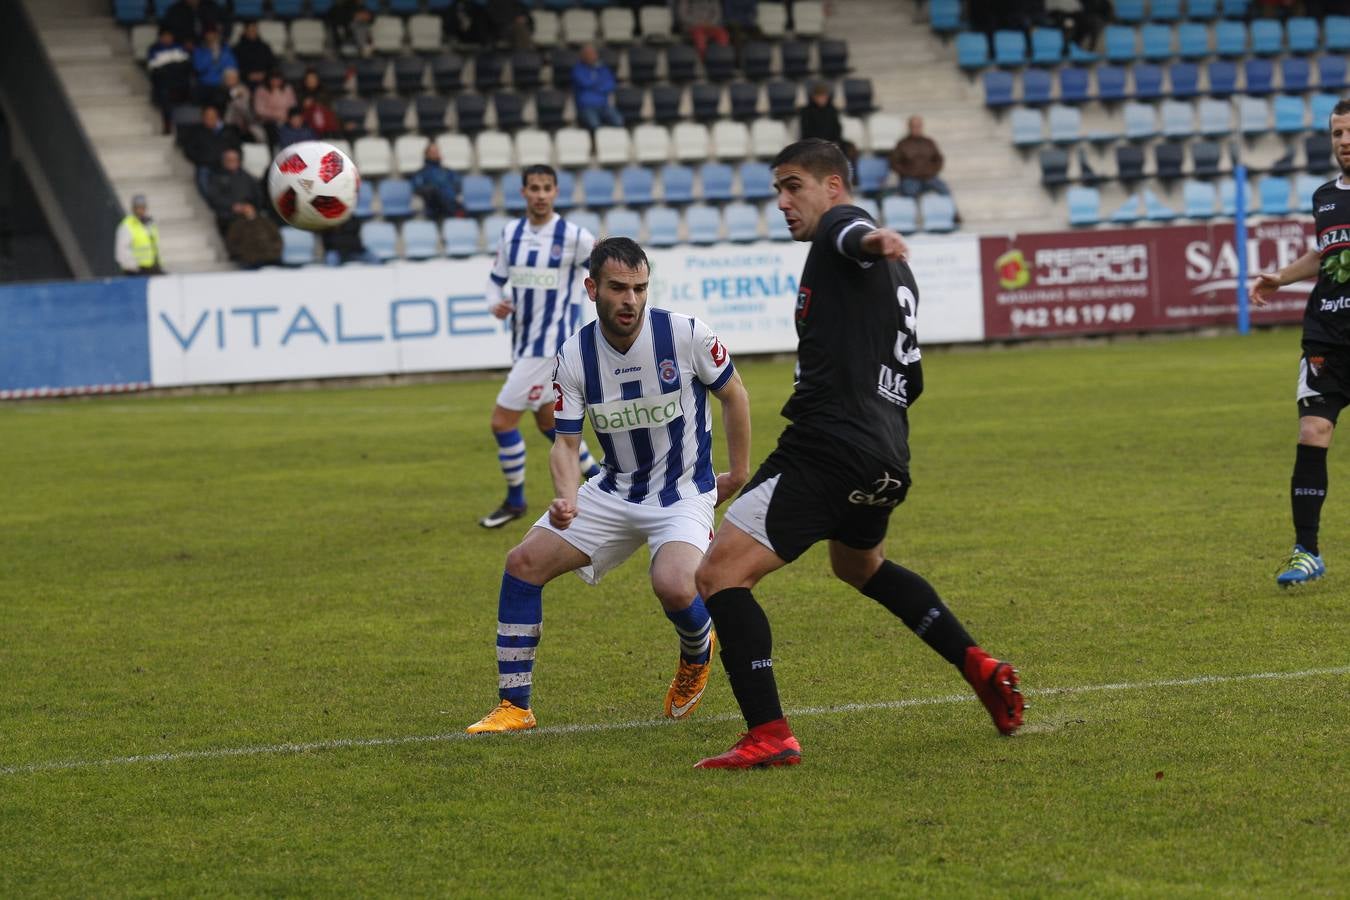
x=995, y=683
x=770, y=744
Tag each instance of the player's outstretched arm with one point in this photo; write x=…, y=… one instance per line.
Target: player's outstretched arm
x=735, y=400
x=885, y=243
x=1267, y=283
x=564, y=462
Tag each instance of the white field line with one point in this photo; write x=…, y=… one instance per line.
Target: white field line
x=594, y=727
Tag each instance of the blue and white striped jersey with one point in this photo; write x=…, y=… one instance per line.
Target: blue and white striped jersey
x=648, y=407
x=543, y=268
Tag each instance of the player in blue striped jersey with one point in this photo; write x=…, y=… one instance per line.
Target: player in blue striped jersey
x=642, y=378
x=536, y=281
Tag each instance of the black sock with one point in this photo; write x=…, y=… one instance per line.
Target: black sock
x=1307, y=490
x=907, y=595
x=747, y=653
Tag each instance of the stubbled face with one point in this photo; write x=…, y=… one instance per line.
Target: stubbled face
x=1340, y=141
x=803, y=198
x=620, y=295
x=540, y=192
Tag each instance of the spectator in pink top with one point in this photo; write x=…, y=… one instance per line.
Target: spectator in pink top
x=272, y=103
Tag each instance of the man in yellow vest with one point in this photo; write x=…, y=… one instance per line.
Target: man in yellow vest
x=138, y=241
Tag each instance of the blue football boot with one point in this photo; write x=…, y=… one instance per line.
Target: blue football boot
x=1301, y=568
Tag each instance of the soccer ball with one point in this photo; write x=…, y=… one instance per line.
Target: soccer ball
x=313, y=185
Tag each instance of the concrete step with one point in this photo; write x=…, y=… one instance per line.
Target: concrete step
x=79, y=52
x=139, y=167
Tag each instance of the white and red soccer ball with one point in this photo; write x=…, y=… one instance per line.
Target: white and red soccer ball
x=313, y=185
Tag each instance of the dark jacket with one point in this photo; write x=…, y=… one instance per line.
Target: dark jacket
x=821, y=122
x=916, y=156
x=204, y=146
x=187, y=24
x=254, y=56
x=253, y=242
x=225, y=189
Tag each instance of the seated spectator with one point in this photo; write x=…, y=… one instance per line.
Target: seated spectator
x=503, y=22
x=361, y=42
x=137, y=243
x=917, y=160
x=209, y=61
x=343, y=244
x=593, y=85
x=320, y=118
x=294, y=130
x=170, y=68
x=701, y=20
x=239, y=108
x=741, y=18
x=255, y=56
x=340, y=16
x=820, y=119
x=272, y=103
x=206, y=144
x=253, y=239
x=189, y=20
x=311, y=85
x=232, y=192
x=437, y=186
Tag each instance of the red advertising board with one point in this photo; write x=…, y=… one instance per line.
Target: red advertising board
x=1139, y=279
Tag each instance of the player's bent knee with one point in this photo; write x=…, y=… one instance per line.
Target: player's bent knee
x=523, y=563
x=1315, y=431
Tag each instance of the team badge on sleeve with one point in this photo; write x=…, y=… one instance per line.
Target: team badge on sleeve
x=717, y=351
x=557, y=397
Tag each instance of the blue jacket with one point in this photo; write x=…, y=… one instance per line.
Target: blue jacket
x=437, y=179
x=211, y=69
x=593, y=84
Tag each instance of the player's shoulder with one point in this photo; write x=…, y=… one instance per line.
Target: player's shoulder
x=1329, y=192
x=571, y=348
x=841, y=217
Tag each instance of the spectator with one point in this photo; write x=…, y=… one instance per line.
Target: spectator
x=505, y=21
x=343, y=244
x=137, y=242
x=702, y=21
x=741, y=18
x=437, y=186
x=593, y=83
x=232, y=192
x=210, y=61
x=239, y=108
x=362, y=41
x=255, y=56
x=189, y=20
x=294, y=130
x=312, y=86
x=917, y=160
x=340, y=17
x=205, y=144
x=320, y=117
x=253, y=239
x=820, y=119
x=170, y=68
x=272, y=103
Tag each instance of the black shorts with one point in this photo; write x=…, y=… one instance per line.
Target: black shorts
x=1323, y=382
x=814, y=488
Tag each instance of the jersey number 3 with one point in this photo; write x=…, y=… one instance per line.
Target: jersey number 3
x=907, y=336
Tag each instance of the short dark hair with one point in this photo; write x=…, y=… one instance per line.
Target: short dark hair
x=537, y=169
x=622, y=250
x=1341, y=108
x=819, y=157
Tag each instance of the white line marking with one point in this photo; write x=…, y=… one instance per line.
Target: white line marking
x=594, y=727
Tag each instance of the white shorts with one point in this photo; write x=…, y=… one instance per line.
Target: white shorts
x=529, y=384
x=609, y=529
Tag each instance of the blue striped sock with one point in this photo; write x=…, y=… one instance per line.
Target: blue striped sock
x=694, y=626
x=511, y=457
x=520, y=619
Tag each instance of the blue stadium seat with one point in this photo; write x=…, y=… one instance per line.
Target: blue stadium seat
x=972, y=50
x=1037, y=85
x=1234, y=9
x=1010, y=49
x=1192, y=40
x=872, y=171
x=1253, y=115
x=1305, y=185
x=1216, y=117
x=380, y=240
x=1222, y=78
x=1157, y=41
x=1178, y=119
x=774, y=223
x=1302, y=35
x=1141, y=122
x=1295, y=74
x=129, y=12
x=395, y=198
x=419, y=240
x=944, y=16
x=1274, y=192
x=998, y=89
x=1198, y=199
x=294, y=9
x=756, y=180
x=1148, y=80
x=248, y=9
x=1028, y=128
x=567, y=189
x=1228, y=197
x=297, y=246
x=589, y=220
x=1127, y=212
x=1289, y=114
x=1047, y=46
x=715, y=181
x=1129, y=10
x=1267, y=37
x=476, y=194
x=1120, y=43
x=365, y=201
x=494, y=223
x=900, y=213
x=1259, y=76
x=401, y=7
x=1073, y=84
x=1206, y=158
x=1320, y=107
x=460, y=236
x=1230, y=38
x=677, y=183
x=1111, y=84
x=742, y=221
x=1085, y=205
x=702, y=224
x=1078, y=55
x=623, y=222
x=1337, y=33
x=513, y=201
x=1317, y=152
x=597, y=188
x=638, y=184
x=1066, y=124
x=1054, y=163
x=1155, y=210
x=1185, y=79
x=938, y=212
x=1202, y=10
x=1331, y=72
x=1164, y=10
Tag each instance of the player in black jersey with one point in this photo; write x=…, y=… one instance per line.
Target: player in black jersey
x=1324, y=370
x=842, y=465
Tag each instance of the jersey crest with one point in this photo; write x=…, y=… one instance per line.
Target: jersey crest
x=669, y=374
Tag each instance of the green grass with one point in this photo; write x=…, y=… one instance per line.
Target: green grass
x=214, y=572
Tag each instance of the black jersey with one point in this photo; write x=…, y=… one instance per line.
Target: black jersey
x=858, y=361
x=1326, y=320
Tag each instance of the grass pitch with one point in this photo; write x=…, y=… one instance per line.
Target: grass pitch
x=195, y=581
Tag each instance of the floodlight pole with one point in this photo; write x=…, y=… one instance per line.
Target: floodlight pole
x=1244, y=322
